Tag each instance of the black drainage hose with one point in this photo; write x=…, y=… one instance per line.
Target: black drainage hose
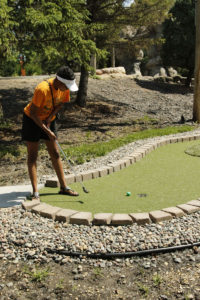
x=122, y=254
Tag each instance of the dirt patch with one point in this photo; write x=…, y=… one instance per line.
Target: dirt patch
x=156, y=277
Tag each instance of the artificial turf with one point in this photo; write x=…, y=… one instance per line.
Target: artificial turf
x=165, y=177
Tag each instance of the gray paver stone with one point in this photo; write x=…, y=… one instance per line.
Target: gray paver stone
x=64, y=215
x=140, y=218
x=127, y=162
x=149, y=148
x=87, y=175
x=110, y=170
x=95, y=174
x=179, y=139
x=194, y=203
x=163, y=143
x=115, y=166
x=130, y=158
x=78, y=178
x=189, y=209
x=102, y=218
x=192, y=138
x=103, y=171
x=27, y=205
x=39, y=208
x=70, y=178
x=186, y=138
x=144, y=150
x=159, y=216
x=174, y=211
x=83, y=218
x=173, y=140
x=121, y=219
x=154, y=145
x=122, y=163
x=50, y=212
x=137, y=156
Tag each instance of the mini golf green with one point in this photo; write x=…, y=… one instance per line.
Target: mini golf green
x=165, y=177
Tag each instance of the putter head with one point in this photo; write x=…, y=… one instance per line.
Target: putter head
x=85, y=191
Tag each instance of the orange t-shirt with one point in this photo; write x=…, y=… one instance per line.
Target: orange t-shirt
x=42, y=98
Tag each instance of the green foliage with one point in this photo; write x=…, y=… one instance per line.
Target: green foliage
x=52, y=30
x=97, y=271
x=7, y=36
x=95, y=77
x=36, y=274
x=32, y=69
x=143, y=289
x=51, y=33
x=157, y=279
x=10, y=67
x=8, y=151
x=179, y=34
x=149, y=12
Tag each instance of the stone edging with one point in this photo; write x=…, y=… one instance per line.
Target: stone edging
x=86, y=218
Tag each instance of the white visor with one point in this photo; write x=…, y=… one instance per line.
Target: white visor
x=70, y=84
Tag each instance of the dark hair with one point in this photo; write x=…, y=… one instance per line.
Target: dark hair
x=66, y=73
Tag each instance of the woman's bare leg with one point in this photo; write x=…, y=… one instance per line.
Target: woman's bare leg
x=32, y=148
x=57, y=164
x=56, y=161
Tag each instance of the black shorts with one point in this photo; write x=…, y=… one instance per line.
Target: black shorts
x=31, y=132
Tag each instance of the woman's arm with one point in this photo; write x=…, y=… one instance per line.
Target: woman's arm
x=53, y=113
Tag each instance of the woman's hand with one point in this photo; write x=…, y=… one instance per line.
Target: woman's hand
x=47, y=122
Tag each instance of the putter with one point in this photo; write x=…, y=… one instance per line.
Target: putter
x=71, y=167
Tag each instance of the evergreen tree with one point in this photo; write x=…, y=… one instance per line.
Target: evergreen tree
x=7, y=37
x=56, y=32
x=103, y=25
x=53, y=29
x=108, y=17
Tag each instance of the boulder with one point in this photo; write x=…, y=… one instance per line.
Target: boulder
x=171, y=72
x=140, y=55
x=99, y=72
x=114, y=70
x=136, y=69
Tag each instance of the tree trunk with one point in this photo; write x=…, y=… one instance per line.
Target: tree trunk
x=196, y=104
x=93, y=63
x=83, y=86
x=1, y=112
x=113, y=57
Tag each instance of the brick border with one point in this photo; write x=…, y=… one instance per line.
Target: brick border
x=86, y=218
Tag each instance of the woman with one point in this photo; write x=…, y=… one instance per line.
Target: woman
x=39, y=123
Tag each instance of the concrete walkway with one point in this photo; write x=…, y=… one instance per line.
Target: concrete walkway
x=14, y=195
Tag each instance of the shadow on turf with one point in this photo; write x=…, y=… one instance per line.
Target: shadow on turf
x=67, y=200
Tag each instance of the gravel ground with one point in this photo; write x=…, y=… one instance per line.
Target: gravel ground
x=145, y=97
x=22, y=232
x=29, y=271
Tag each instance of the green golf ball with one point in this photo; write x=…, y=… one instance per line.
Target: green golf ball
x=128, y=193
